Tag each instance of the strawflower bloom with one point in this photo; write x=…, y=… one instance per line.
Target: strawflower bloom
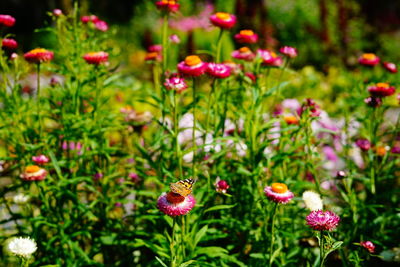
x=312, y=200
x=96, y=58
x=223, y=20
x=278, y=193
x=8, y=43
x=7, y=20
x=243, y=53
x=173, y=204
x=368, y=59
x=39, y=55
x=363, y=144
x=381, y=90
x=174, y=39
x=175, y=83
x=322, y=220
x=40, y=160
x=288, y=51
x=311, y=106
x=91, y=18
x=391, y=67
x=373, y=101
x=269, y=58
x=291, y=119
x=57, y=12
x=221, y=186
x=246, y=37
x=368, y=245
x=192, y=66
x=218, y=70
x=21, y=199
x=168, y=5
x=101, y=25
x=22, y=246
x=33, y=173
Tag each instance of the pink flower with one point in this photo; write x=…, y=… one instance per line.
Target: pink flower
x=381, y=90
x=368, y=59
x=101, y=25
x=192, y=66
x=134, y=177
x=373, y=101
x=174, y=39
x=167, y=5
x=9, y=44
x=363, y=144
x=175, y=83
x=218, y=70
x=243, y=53
x=322, y=220
x=269, y=58
x=278, y=193
x=251, y=76
x=7, y=20
x=33, y=173
x=368, y=245
x=288, y=51
x=91, y=18
x=311, y=106
x=40, y=160
x=96, y=58
x=221, y=186
x=246, y=37
x=39, y=55
x=391, y=67
x=173, y=204
x=223, y=20
x=57, y=12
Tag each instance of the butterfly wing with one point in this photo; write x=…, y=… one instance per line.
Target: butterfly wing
x=182, y=187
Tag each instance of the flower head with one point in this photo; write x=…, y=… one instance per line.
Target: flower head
x=57, y=12
x=312, y=200
x=168, y=5
x=39, y=55
x=223, y=20
x=381, y=90
x=322, y=220
x=175, y=83
x=40, y=160
x=363, y=144
x=174, y=39
x=391, y=67
x=218, y=70
x=373, y=101
x=368, y=59
x=7, y=20
x=278, y=193
x=8, y=43
x=269, y=58
x=101, y=25
x=288, y=51
x=246, y=37
x=96, y=58
x=21, y=199
x=243, y=53
x=311, y=106
x=173, y=204
x=33, y=173
x=368, y=245
x=192, y=66
x=22, y=246
x=221, y=186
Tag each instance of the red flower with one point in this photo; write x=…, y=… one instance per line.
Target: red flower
x=368, y=59
x=96, y=58
x=39, y=55
x=246, y=36
x=223, y=20
x=10, y=44
x=168, y=5
x=381, y=90
x=7, y=20
x=192, y=66
x=243, y=53
x=389, y=66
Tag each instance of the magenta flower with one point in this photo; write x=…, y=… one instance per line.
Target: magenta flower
x=288, y=51
x=368, y=59
x=322, y=220
x=33, y=173
x=167, y=5
x=175, y=83
x=218, y=70
x=57, y=12
x=192, y=66
x=101, y=25
x=40, y=160
x=221, y=186
x=134, y=177
x=363, y=144
x=381, y=90
x=243, y=53
x=174, y=39
x=368, y=245
x=246, y=37
x=8, y=43
x=223, y=20
x=278, y=193
x=313, y=108
x=373, y=101
x=173, y=204
x=269, y=58
x=7, y=20
x=391, y=67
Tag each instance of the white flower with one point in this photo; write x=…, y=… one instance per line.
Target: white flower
x=20, y=199
x=312, y=200
x=22, y=246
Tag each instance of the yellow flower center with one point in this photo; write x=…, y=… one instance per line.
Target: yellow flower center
x=279, y=188
x=244, y=49
x=369, y=56
x=38, y=50
x=192, y=60
x=290, y=119
x=273, y=54
x=32, y=169
x=383, y=85
x=381, y=151
x=223, y=15
x=247, y=32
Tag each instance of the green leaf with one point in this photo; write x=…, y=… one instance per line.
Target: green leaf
x=219, y=207
x=161, y=262
x=200, y=235
x=187, y=263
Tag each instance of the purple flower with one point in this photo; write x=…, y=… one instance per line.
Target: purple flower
x=322, y=220
x=363, y=144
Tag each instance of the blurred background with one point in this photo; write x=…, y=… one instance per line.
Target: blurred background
x=325, y=32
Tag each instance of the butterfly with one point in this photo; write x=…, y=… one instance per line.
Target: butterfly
x=182, y=187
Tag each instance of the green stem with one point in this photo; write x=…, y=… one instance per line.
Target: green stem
x=321, y=249
x=194, y=130
x=165, y=43
x=38, y=98
x=183, y=238
x=271, y=248
x=285, y=65
x=176, y=132
x=208, y=110
x=172, y=244
x=219, y=46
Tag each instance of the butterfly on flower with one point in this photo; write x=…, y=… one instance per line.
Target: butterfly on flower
x=182, y=187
